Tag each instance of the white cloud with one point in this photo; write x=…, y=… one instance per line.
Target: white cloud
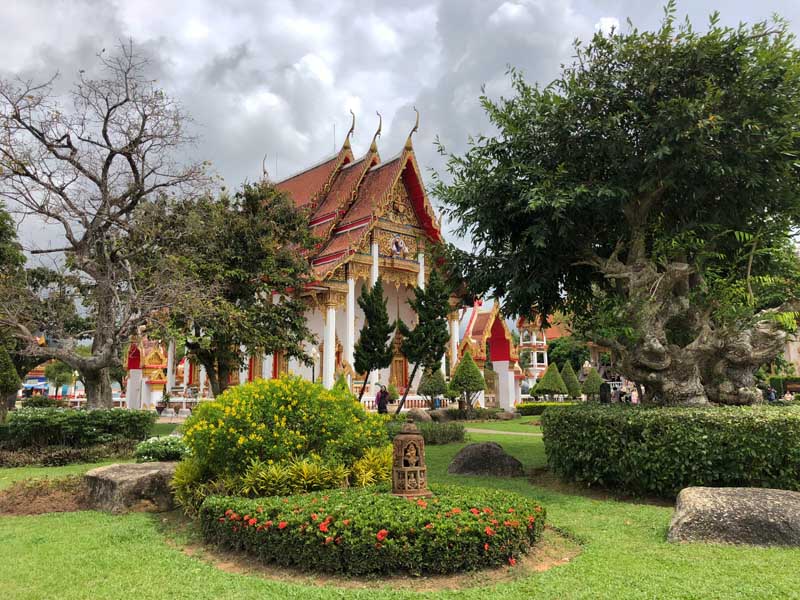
x=607, y=25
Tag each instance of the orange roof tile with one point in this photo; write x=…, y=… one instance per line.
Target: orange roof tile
x=341, y=194
x=305, y=187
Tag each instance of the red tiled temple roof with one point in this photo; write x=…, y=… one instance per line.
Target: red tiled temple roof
x=307, y=186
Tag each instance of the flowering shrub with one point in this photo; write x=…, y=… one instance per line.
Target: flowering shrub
x=278, y=419
x=154, y=449
x=370, y=531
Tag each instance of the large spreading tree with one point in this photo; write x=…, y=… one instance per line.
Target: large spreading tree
x=250, y=249
x=92, y=163
x=651, y=191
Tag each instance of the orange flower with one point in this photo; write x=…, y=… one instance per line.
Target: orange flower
x=252, y=522
x=282, y=525
x=489, y=531
x=323, y=527
x=512, y=561
x=346, y=522
x=455, y=511
x=314, y=516
x=268, y=524
x=328, y=540
x=381, y=535
x=488, y=511
x=486, y=546
x=474, y=511
x=422, y=504
x=429, y=526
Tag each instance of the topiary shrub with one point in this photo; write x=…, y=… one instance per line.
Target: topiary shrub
x=591, y=385
x=30, y=427
x=435, y=433
x=551, y=383
x=359, y=532
x=431, y=385
x=467, y=379
x=571, y=381
x=659, y=451
x=165, y=448
x=537, y=408
x=43, y=402
x=278, y=419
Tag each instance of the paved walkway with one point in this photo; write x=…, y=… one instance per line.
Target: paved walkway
x=477, y=430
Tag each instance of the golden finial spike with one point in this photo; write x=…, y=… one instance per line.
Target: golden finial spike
x=373, y=147
x=264, y=173
x=413, y=131
x=352, y=129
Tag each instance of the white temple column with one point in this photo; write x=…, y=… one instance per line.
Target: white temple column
x=350, y=322
x=453, y=321
x=170, y=366
x=266, y=366
x=506, y=396
x=373, y=274
x=421, y=274
x=201, y=382
x=329, y=341
x=133, y=391
x=245, y=369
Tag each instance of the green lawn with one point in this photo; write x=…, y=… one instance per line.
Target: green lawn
x=523, y=424
x=9, y=476
x=163, y=428
x=93, y=555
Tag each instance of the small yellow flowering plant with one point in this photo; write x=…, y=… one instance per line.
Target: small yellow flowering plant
x=277, y=419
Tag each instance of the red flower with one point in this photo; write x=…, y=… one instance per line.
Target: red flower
x=512, y=561
x=455, y=511
x=282, y=525
x=422, y=504
x=488, y=511
x=228, y=512
x=328, y=540
x=323, y=527
x=494, y=521
x=511, y=510
x=429, y=526
x=221, y=519
x=489, y=531
x=486, y=546
x=474, y=511
x=314, y=516
x=268, y=524
x=252, y=522
x=247, y=517
x=346, y=522
x=382, y=535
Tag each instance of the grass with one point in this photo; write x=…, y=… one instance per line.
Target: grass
x=9, y=476
x=522, y=425
x=625, y=555
x=160, y=429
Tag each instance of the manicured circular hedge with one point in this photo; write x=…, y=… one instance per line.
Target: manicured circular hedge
x=659, y=451
x=364, y=531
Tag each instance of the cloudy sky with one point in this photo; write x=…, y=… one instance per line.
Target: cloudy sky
x=266, y=77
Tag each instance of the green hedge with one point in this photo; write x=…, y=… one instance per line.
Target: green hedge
x=36, y=427
x=164, y=448
x=536, y=408
x=659, y=451
x=358, y=532
x=433, y=433
x=56, y=456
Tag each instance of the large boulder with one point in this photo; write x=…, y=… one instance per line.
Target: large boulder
x=131, y=487
x=419, y=415
x=440, y=415
x=486, y=458
x=757, y=516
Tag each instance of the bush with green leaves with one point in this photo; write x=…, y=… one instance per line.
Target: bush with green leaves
x=43, y=402
x=591, y=385
x=29, y=427
x=279, y=419
x=467, y=379
x=164, y=448
x=659, y=451
x=432, y=385
x=571, y=381
x=551, y=383
x=56, y=456
x=366, y=531
x=434, y=433
x=527, y=409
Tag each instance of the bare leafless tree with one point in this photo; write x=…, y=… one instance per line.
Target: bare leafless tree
x=100, y=165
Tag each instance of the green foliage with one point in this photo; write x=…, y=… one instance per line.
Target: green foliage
x=9, y=379
x=76, y=428
x=568, y=350
x=434, y=433
x=779, y=383
x=431, y=385
x=58, y=374
x=340, y=386
x=358, y=532
x=659, y=451
x=467, y=379
x=426, y=344
x=571, y=381
x=537, y=408
x=592, y=383
x=165, y=448
x=489, y=380
x=43, y=402
x=243, y=248
x=374, y=467
x=278, y=419
x=551, y=383
x=54, y=456
x=394, y=395
x=373, y=350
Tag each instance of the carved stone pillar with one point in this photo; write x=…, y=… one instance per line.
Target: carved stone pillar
x=350, y=322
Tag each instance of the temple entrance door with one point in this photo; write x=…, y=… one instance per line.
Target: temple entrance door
x=280, y=366
x=398, y=373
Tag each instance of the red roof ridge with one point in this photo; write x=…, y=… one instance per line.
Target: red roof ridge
x=310, y=168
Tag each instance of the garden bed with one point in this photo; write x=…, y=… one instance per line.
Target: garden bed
x=368, y=531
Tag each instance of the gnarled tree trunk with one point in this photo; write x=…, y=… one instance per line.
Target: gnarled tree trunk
x=98, y=388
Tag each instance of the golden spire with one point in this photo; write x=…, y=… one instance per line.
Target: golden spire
x=264, y=173
x=373, y=147
x=413, y=131
x=352, y=129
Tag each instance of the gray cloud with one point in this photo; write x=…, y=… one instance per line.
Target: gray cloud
x=274, y=77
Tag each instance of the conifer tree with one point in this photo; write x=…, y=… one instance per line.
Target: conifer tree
x=467, y=380
x=551, y=382
x=431, y=385
x=592, y=383
x=9, y=381
x=373, y=349
x=426, y=343
x=570, y=380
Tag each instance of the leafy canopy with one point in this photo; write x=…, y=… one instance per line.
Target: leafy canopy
x=570, y=381
x=467, y=379
x=551, y=382
x=592, y=383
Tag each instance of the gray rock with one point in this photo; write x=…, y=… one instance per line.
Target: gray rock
x=505, y=416
x=126, y=487
x=440, y=415
x=486, y=458
x=419, y=415
x=758, y=516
